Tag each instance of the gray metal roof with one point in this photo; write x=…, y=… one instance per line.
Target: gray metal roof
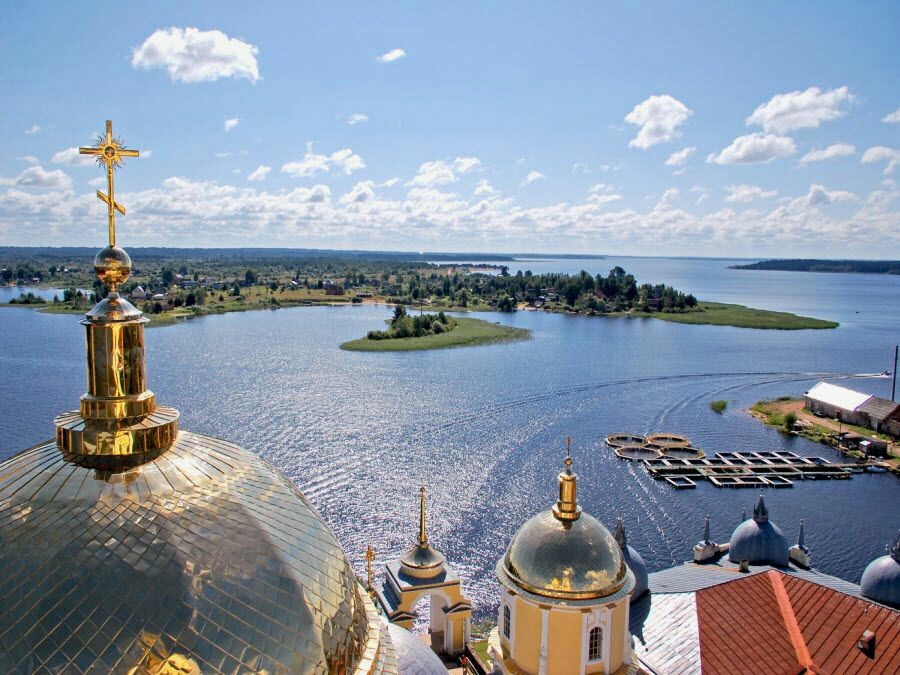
x=692, y=577
x=666, y=632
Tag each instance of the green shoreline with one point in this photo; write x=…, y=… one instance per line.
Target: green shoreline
x=467, y=333
x=707, y=313
x=739, y=316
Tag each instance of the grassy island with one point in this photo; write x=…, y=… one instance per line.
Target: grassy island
x=721, y=314
x=433, y=331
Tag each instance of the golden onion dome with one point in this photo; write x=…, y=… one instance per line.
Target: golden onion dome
x=577, y=562
x=204, y=554
x=564, y=553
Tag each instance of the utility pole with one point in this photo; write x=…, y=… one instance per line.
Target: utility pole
x=894, y=385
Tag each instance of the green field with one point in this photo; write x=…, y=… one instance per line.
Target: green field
x=467, y=333
x=721, y=314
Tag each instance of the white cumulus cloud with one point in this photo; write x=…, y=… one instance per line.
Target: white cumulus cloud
x=659, y=118
x=33, y=129
x=880, y=153
x=259, y=173
x=439, y=172
x=231, y=123
x=392, y=55
x=312, y=163
x=363, y=191
x=819, y=196
x=890, y=118
x=601, y=193
x=357, y=118
x=71, y=157
x=801, y=109
x=186, y=212
x=680, y=157
x=484, y=188
x=466, y=164
x=747, y=193
x=37, y=176
x=832, y=151
x=532, y=177
x=193, y=55
x=667, y=199
x=754, y=149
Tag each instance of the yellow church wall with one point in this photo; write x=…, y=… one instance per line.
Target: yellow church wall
x=527, y=629
x=618, y=627
x=564, y=643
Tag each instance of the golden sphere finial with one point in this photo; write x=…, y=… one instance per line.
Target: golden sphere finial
x=113, y=266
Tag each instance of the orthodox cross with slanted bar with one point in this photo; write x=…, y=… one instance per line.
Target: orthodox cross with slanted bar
x=110, y=150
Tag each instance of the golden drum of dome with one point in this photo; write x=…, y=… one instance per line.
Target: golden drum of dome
x=574, y=560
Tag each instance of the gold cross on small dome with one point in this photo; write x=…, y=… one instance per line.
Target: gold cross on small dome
x=110, y=150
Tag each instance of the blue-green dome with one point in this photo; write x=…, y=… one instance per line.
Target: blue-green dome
x=881, y=579
x=758, y=541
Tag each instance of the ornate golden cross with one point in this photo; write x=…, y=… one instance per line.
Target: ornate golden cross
x=110, y=150
x=370, y=556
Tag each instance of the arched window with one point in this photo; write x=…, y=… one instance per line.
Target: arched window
x=507, y=621
x=595, y=644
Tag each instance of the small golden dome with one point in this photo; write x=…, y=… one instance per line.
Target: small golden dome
x=422, y=560
x=113, y=266
x=574, y=560
x=565, y=553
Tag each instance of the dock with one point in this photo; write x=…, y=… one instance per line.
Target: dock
x=673, y=459
x=776, y=468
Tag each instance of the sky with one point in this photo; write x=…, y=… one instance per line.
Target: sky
x=760, y=129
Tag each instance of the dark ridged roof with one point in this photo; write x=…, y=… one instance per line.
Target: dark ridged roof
x=880, y=408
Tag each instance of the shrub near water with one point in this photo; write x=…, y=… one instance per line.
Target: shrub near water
x=405, y=326
x=718, y=406
x=29, y=299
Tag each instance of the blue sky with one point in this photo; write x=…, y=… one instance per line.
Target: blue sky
x=494, y=127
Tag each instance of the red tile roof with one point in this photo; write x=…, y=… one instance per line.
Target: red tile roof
x=777, y=623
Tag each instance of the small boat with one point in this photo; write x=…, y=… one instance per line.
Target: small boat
x=877, y=468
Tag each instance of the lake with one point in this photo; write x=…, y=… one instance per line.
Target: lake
x=483, y=428
x=8, y=293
